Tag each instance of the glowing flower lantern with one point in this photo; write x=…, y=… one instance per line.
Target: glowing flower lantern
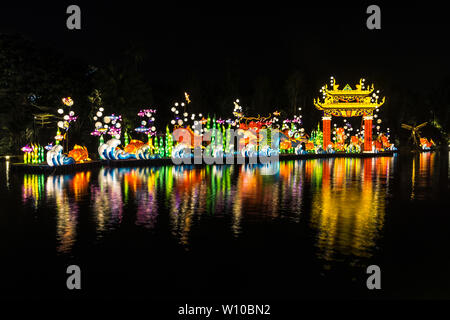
x=68, y=101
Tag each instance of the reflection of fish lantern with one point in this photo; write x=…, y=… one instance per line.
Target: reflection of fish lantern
x=79, y=153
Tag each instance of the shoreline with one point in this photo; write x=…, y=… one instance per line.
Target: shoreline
x=46, y=169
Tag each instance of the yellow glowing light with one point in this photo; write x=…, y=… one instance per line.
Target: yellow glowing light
x=348, y=102
x=68, y=101
x=186, y=95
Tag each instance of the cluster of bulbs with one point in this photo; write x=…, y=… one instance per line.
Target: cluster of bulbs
x=296, y=119
x=275, y=119
x=148, y=119
x=347, y=127
x=375, y=96
x=107, y=124
x=237, y=112
x=68, y=115
x=378, y=120
x=183, y=119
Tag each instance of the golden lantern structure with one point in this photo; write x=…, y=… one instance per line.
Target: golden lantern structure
x=348, y=102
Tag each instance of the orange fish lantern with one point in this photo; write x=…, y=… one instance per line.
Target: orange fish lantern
x=286, y=144
x=340, y=131
x=243, y=126
x=79, y=153
x=309, y=146
x=354, y=140
x=196, y=139
x=133, y=146
x=378, y=145
x=385, y=141
x=425, y=143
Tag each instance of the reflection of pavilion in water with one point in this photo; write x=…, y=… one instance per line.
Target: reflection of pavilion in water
x=348, y=204
x=422, y=175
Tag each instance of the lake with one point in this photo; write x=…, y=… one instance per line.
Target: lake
x=233, y=231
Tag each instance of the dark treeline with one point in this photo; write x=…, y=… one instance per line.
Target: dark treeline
x=33, y=79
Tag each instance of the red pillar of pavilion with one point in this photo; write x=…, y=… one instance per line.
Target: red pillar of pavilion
x=326, y=132
x=368, y=133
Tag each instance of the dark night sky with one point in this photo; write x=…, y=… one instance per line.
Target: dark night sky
x=259, y=39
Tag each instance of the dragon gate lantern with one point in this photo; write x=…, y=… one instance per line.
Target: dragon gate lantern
x=348, y=102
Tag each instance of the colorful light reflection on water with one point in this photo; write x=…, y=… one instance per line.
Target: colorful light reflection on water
x=346, y=211
x=346, y=197
x=326, y=219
